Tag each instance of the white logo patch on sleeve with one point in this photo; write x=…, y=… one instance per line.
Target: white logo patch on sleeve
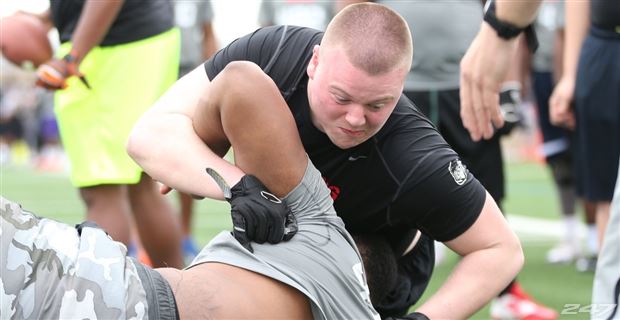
x=458, y=171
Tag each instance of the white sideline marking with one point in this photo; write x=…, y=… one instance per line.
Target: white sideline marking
x=531, y=229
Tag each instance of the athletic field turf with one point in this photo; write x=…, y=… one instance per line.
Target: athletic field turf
x=530, y=197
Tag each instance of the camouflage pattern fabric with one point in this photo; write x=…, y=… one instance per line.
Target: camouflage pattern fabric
x=49, y=270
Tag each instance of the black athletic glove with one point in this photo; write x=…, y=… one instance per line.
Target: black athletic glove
x=510, y=107
x=258, y=215
x=411, y=316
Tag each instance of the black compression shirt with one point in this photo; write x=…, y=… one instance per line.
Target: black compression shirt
x=405, y=177
x=136, y=20
x=605, y=14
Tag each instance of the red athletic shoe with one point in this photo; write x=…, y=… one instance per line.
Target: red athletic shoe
x=143, y=257
x=518, y=305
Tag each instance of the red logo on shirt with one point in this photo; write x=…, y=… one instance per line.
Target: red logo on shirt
x=334, y=190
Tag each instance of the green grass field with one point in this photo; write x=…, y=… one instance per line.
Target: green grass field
x=530, y=193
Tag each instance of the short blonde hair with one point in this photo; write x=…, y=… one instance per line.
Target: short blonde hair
x=375, y=38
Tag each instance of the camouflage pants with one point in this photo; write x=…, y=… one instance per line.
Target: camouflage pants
x=49, y=270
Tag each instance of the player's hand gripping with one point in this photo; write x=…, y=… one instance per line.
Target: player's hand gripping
x=53, y=74
x=258, y=215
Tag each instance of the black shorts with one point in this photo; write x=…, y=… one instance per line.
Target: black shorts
x=482, y=158
x=414, y=273
x=597, y=107
x=556, y=140
x=12, y=128
x=159, y=296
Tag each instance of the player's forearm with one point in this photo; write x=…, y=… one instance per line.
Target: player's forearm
x=479, y=276
x=94, y=23
x=166, y=149
x=577, y=21
x=519, y=13
x=492, y=257
x=164, y=143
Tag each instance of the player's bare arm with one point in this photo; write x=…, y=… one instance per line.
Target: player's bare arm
x=165, y=144
x=488, y=247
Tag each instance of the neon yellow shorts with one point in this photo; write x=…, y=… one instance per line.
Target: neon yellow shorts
x=94, y=124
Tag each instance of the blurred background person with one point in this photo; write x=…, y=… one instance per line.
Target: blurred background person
x=306, y=13
x=587, y=100
x=18, y=104
x=558, y=142
x=109, y=69
x=198, y=43
x=51, y=156
x=27, y=117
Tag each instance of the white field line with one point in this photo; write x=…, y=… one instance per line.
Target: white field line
x=534, y=230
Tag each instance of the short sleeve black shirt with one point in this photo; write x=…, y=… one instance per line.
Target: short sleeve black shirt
x=405, y=177
x=135, y=21
x=605, y=14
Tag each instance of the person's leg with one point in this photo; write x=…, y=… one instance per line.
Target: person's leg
x=569, y=248
x=247, y=110
x=186, y=204
x=598, y=119
x=108, y=206
x=186, y=208
x=558, y=154
x=157, y=225
x=590, y=218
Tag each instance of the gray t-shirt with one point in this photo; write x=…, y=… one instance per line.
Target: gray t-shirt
x=190, y=16
x=321, y=260
x=442, y=31
x=313, y=14
x=550, y=18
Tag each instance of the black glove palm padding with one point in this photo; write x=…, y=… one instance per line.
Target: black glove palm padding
x=258, y=215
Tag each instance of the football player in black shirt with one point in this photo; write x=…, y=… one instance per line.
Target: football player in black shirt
x=389, y=170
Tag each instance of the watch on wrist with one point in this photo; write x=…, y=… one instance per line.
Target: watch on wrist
x=507, y=30
x=72, y=60
x=504, y=29
x=71, y=57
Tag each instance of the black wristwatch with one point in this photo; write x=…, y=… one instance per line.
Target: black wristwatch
x=71, y=57
x=507, y=30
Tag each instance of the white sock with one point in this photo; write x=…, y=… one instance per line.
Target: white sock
x=592, y=239
x=572, y=236
x=570, y=228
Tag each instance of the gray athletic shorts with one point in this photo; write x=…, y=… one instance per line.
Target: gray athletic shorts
x=606, y=290
x=50, y=270
x=321, y=260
